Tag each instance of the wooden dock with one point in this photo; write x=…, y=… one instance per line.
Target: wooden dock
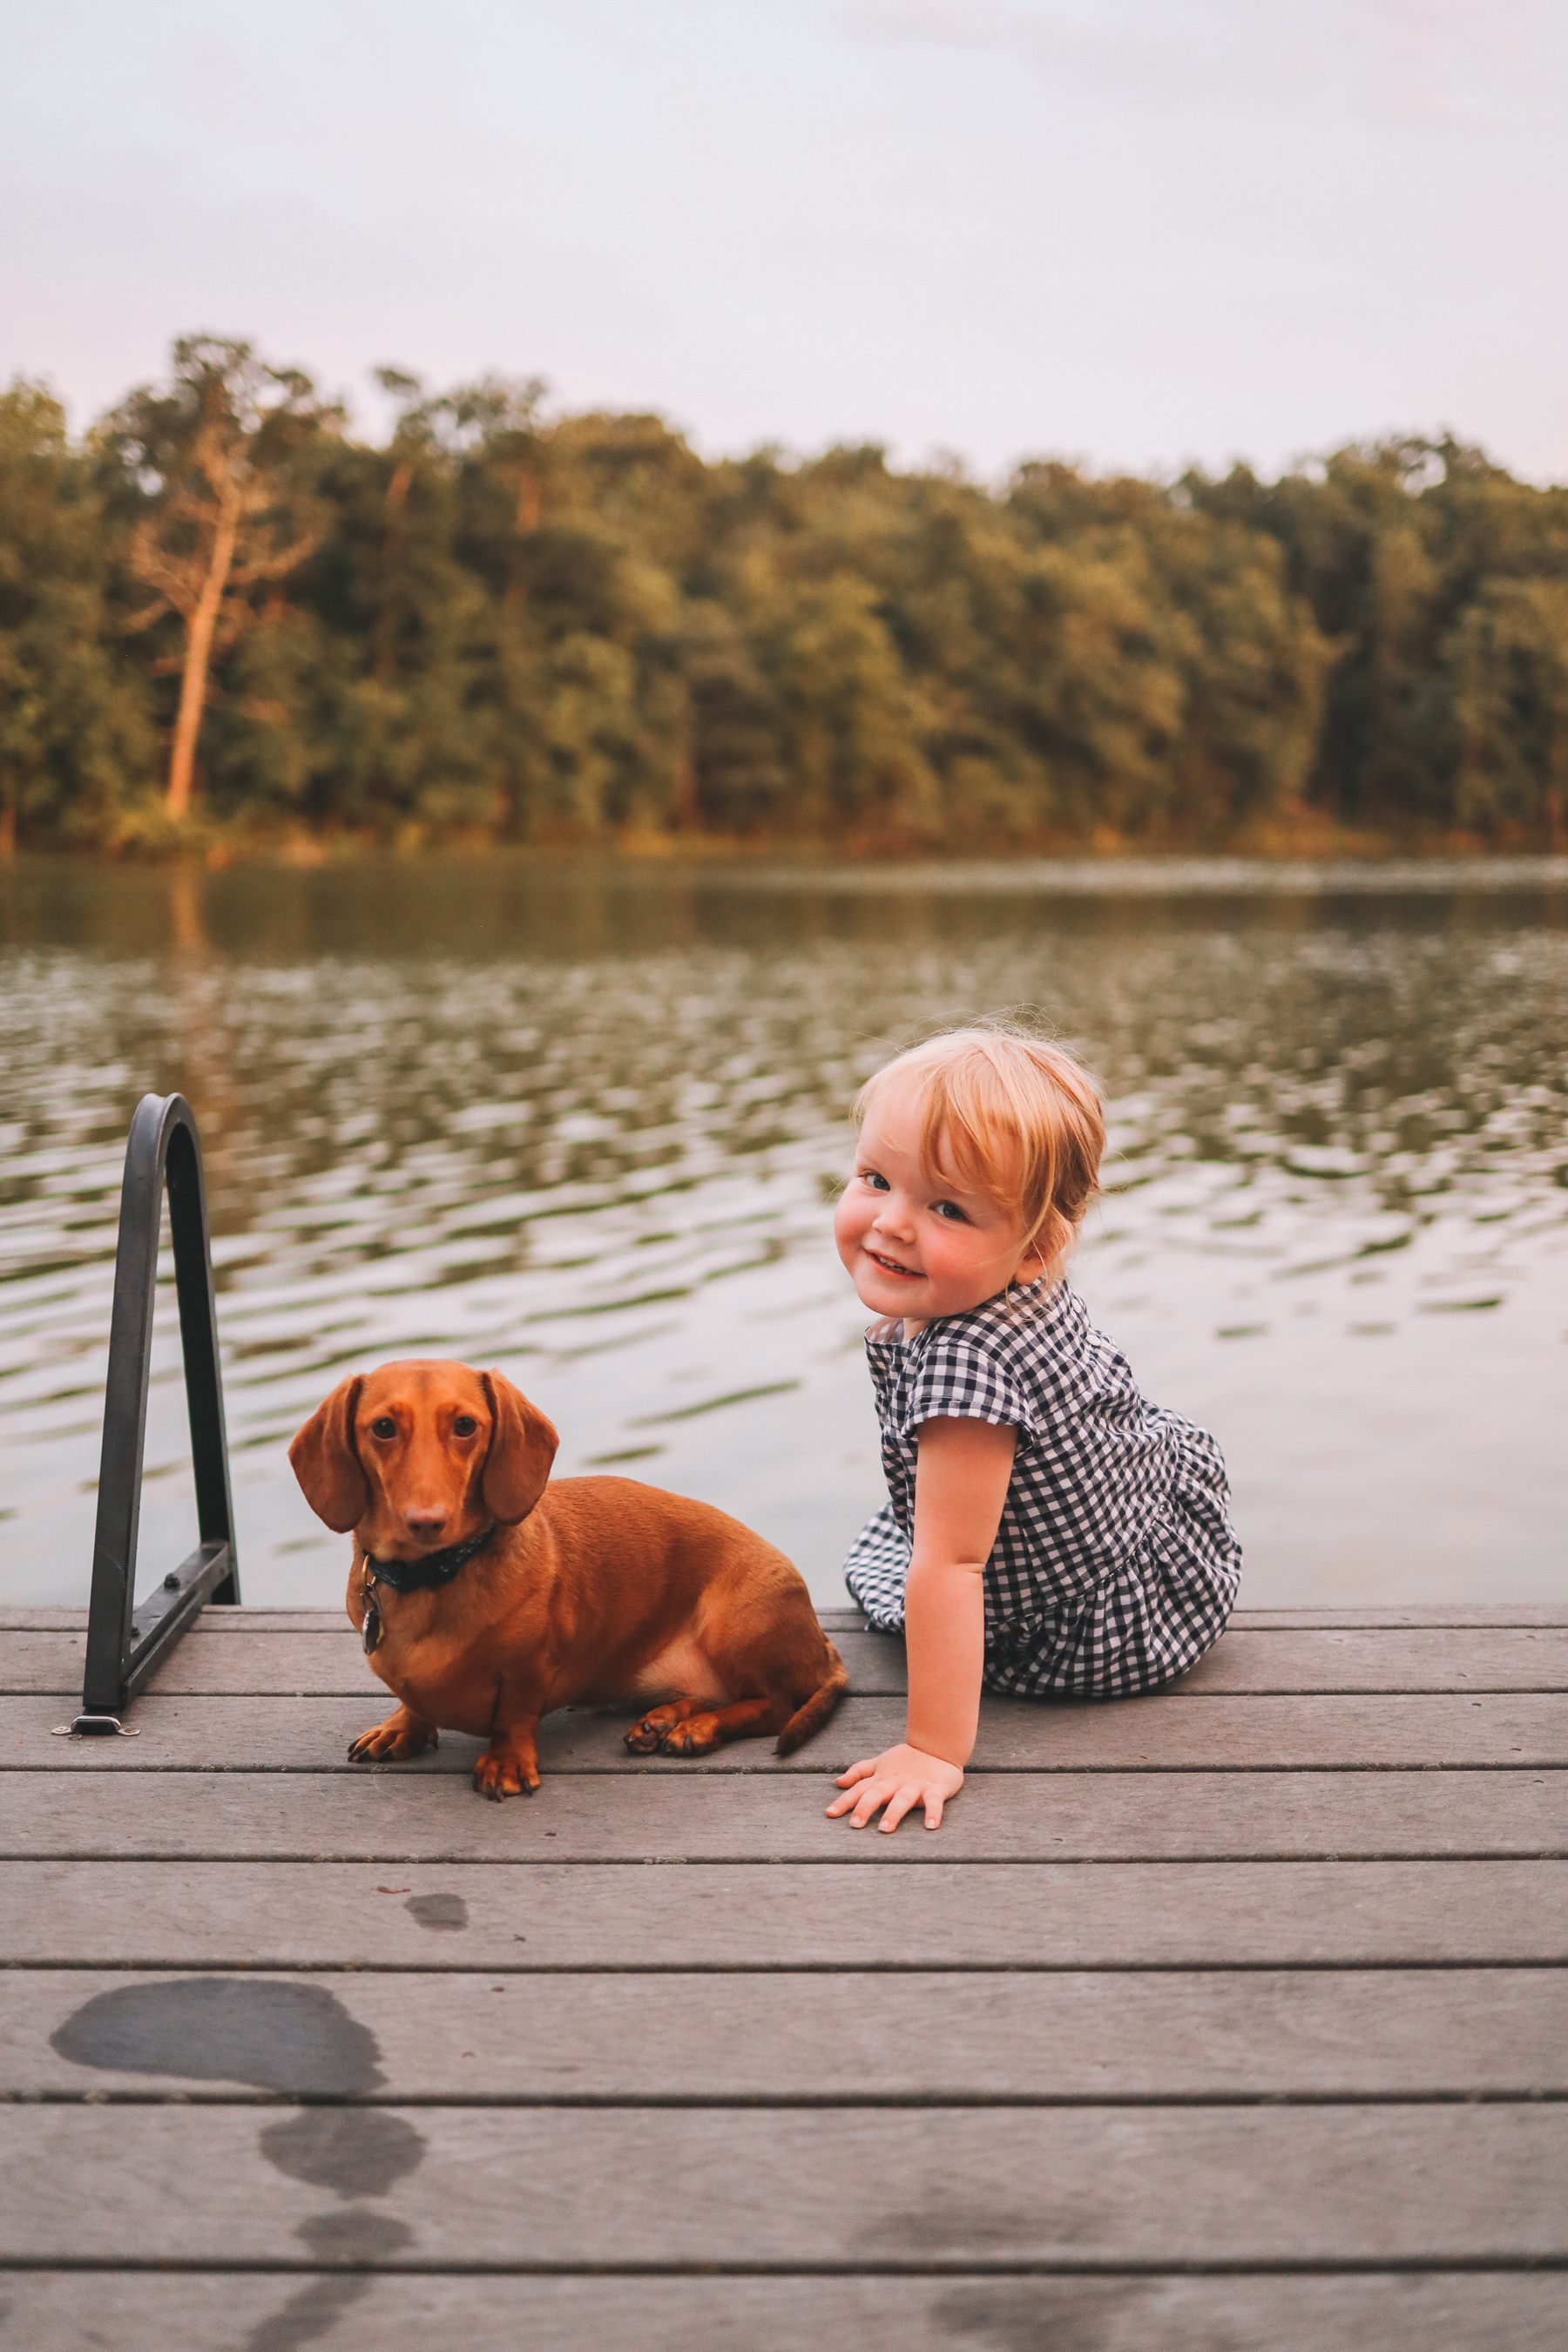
x=1233, y=2018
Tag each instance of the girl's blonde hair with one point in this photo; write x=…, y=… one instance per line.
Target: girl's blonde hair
x=1007, y=1115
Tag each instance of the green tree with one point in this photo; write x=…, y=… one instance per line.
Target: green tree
x=1392, y=546
x=216, y=457
x=1254, y=668
x=74, y=735
x=1508, y=657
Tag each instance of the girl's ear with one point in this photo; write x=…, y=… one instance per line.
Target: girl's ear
x=1048, y=1249
x=522, y=1447
x=324, y=1460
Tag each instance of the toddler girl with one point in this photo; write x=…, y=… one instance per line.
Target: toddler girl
x=1047, y=1532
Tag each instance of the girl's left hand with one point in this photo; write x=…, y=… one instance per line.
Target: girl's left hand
x=900, y=1779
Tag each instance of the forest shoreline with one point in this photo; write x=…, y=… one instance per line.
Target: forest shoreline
x=230, y=629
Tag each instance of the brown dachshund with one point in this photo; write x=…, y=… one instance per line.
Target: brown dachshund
x=487, y=1597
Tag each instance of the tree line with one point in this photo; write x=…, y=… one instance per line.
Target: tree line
x=224, y=617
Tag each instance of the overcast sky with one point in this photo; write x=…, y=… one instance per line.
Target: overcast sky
x=1136, y=231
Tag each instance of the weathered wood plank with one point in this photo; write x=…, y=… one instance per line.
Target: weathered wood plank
x=130, y=2311
x=1455, y=1612
x=841, y=2039
x=1478, y=1615
x=258, y=1619
x=1166, y=1733
x=1279, y=1620
x=330, y=1661
x=35, y=1660
x=501, y=1915
x=394, y=1814
x=577, y=2189
x=1421, y=1659
x=319, y=1663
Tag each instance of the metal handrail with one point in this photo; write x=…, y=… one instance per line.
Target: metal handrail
x=125, y=1643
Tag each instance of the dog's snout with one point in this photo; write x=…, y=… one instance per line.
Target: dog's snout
x=425, y=1518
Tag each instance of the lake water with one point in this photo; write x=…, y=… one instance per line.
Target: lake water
x=584, y=1121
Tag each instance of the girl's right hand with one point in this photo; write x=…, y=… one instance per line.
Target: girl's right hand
x=899, y=1779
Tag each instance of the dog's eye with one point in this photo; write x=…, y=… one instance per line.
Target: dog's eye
x=384, y=1427
x=465, y=1425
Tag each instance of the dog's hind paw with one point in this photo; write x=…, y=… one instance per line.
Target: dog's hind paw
x=654, y=1732
x=698, y=1737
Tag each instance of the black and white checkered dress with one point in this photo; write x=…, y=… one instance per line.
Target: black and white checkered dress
x=1115, y=1565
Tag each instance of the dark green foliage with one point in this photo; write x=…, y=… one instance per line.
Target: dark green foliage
x=76, y=736
x=570, y=629
x=1442, y=585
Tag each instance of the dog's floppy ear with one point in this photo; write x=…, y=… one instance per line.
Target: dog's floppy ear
x=324, y=1460
x=522, y=1447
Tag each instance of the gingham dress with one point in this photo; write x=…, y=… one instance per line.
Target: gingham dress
x=1115, y=1564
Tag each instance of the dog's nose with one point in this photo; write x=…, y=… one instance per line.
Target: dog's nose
x=424, y=1521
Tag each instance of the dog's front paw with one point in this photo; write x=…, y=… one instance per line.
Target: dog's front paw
x=393, y=1742
x=644, y=1738
x=501, y=1772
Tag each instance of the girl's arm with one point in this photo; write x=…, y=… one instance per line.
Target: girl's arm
x=961, y=1486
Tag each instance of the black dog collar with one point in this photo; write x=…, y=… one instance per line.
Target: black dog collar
x=431, y=1569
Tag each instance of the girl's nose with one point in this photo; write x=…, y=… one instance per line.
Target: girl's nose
x=892, y=1215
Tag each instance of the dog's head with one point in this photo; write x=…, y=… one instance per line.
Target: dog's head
x=416, y=1456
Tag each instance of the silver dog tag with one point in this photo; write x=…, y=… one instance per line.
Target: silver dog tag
x=372, y=1627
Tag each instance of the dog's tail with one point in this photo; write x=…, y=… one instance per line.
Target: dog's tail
x=810, y=1719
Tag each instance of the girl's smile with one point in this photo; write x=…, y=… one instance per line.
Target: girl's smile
x=916, y=1243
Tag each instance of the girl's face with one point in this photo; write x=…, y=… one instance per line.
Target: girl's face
x=913, y=1249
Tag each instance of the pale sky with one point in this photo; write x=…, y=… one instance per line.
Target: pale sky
x=1137, y=232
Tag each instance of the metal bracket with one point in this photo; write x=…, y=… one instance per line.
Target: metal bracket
x=125, y=1643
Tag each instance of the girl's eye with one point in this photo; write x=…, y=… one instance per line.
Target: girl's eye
x=465, y=1425
x=385, y=1427
x=878, y=1183
x=951, y=1211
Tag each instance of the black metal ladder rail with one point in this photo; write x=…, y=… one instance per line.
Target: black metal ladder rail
x=125, y=1643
